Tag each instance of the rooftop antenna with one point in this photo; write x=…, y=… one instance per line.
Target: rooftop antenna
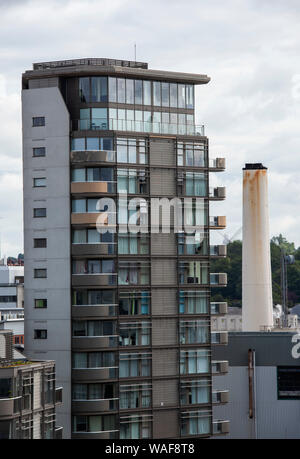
x=135, y=52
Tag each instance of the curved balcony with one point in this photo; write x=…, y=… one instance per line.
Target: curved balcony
x=220, y=427
x=220, y=396
x=218, y=308
x=93, y=249
x=9, y=406
x=218, y=279
x=217, y=164
x=95, y=310
x=93, y=188
x=94, y=374
x=219, y=367
x=94, y=342
x=99, y=279
x=219, y=337
x=94, y=406
x=105, y=435
x=217, y=222
x=217, y=194
x=218, y=251
x=92, y=157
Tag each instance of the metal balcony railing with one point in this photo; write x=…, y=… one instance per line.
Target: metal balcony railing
x=104, y=124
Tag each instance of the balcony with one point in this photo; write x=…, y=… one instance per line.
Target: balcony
x=58, y=395
x=217, y=164
x=92, y=157
x=217, y=194
x=217, y=222
x=218, y=250
x=218, y=308
x=102, y=124
x=219, y=337
x=94, y=406
x=100, y=279
x=219, y=367
x=95, y=310
x=105, y=435
x=94, y=374
x=99, y=248
x=220, y=396
x=220, y=427
x=94, y=342
x=9, y=406
x=218, y=279
x=93, y=188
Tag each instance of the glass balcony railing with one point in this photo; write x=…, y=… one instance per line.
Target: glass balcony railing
x=100, y=124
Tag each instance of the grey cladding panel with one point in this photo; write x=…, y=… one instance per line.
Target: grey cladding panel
x=165, y=424
x=165, y=392
x=162, y=152
x=43, y=83
x=164, y=272
x=165, y=362
x=164, y=332
x=162, y=182
x=164, y=301
x=163, y=244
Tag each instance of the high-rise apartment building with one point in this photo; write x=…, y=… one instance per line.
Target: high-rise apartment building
x=124, y=313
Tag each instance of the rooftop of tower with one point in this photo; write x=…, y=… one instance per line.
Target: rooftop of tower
x=105, y=66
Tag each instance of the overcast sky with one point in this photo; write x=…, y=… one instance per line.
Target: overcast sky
x=251, y=107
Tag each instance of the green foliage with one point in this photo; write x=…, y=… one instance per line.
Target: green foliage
x=232, y=265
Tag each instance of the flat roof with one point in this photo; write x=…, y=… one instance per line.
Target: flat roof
x=113, y=67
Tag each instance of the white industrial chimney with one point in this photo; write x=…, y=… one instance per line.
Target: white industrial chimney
x=257, y=301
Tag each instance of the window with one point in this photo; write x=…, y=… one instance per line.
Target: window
x=194, y=361
x=95, y=391
x=194, y=332
x=134, y=334
x=129, y=91
x=195, y=184
x=131, y=244
x=103, y=298
x=93, y=328
x=133, y=427
x=196, y=423
x=40, y=273
x=121, y=90
x=156, y=93
x=38, y=121
x=84, y=89
x=196, y=244
x=191, y=154
x=134, y=303
x=39, y=151
x=195, y=392
x=165, y=95
x=93, y=266
x=193, y=272
x=133, y=273
x=40, y=334
x=39, y=243
x=39, y=182
x=40, y=212
x=135, y=396
x=92, y=236
x=193, y=302
x=94, y=360
x=6, y=388
x=8, y=299
x=147, y=92
x=93, y=119
x=132, y=151
x=99, y=89
x=288, y=383
x=132, y=181
x=40, y=303
x=138, y=92
x=92, y=143
x=133, y=365
x=94, y=423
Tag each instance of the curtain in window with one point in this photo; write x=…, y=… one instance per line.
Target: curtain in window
x=134, y=427
x=144, y=303
x=201, y=395
x=146, y=398
x=80, y=392
x=132, y=182
x=95, y=392
x=123, y=244
x=78, y=206
x=78, y=175
x=122, y=182
x=202, y=363
x=95, y=424
x=144, y=275
x=133, y=245
x=189, y=184
x=200, y=184
x=203, y=425
x=95, y=360
x=201, y=305
x=79, y=236
x=123, y=368
x=93, y=236
x=192, y=363
x=95, y=328
x=80, y=360
x=123, y=276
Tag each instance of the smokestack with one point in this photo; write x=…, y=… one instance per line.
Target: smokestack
x=257, y=301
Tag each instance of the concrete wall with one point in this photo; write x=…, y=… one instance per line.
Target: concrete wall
x=55, y=227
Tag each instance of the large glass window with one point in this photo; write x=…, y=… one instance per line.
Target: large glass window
x=147, y=92
x=94, y=360
x=129, y=91
x=99, y=89
x=193, y=272
x=288, y=383
x=194, y=361
x=93, y=266
x=93, y=391
x=138, y=92
x=196, y=244
x=121, y=90
x=93, y=297
x=193, y=302
x=112, y=89
x=173, y=95
x=157, y=93
x=134, y=364
x=165, y=95
x=181, y=96
x=195, y=184
x=194, y=332
x=133, y=244
x=93, y=327
x=131, y=151
x=196, y=423
x=133, y=273
x=6, y=387
x=189, y=96
x=195, y=392
x=95, y=424
x=84, y=89
x=132, y=427
x=134, y=334
x=135, y=396
x=191, y=154
x=134, y=303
